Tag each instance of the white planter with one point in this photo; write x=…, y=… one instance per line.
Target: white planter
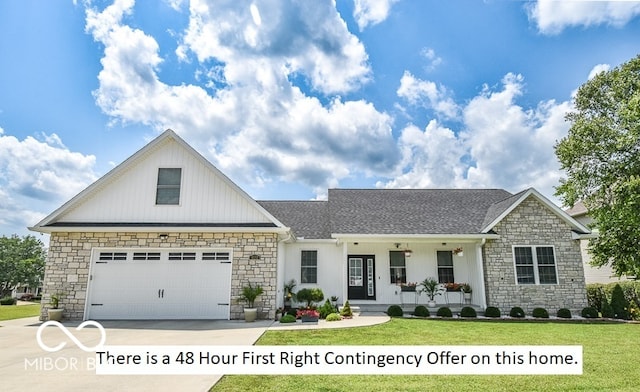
x=250, y=314
x=431, y=303
x=55, y=314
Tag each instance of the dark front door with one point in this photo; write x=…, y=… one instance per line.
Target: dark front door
x=361, y=273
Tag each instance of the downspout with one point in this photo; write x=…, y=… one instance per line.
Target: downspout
x=280, y=267
x=480, y=261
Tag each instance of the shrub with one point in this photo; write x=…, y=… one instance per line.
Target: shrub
x=334, y=317
x=619, y=303
x=292, y=312
x=287, y=318
x=492, y=311
x=540, y=313
x=468, y=311
x=8, y=301
x=596, y=295
x=444, y=312
x=564, y=313
x=310, y=296
x=589, y=312
x=395, y=311
x=607, y=310
x=346, y=310
x=326, y=309
x=421, y=311
x=516, y=312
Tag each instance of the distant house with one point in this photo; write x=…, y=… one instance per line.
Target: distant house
x=592, y=274
x=166, y=235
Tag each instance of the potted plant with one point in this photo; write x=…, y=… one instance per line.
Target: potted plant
x=408, y=287
x=334, y=301
x=249, y=294
x=289, y=294
x=55, y=312
x=308, y=315
x=466, y=291
x=431, y=287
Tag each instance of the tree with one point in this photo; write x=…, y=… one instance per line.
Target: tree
x=601, y=156
x=21, y=262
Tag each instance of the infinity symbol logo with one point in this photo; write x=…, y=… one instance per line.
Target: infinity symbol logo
x=70, y=335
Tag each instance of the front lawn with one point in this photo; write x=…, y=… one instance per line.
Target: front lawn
x=10, y=312
x=610, y=355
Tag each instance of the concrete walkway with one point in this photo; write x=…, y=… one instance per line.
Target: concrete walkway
x=25, y=366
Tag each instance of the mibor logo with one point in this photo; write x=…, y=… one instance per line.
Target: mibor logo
x=103, y=336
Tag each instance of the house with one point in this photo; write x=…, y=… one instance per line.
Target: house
x=592, y=274
x=166, y=235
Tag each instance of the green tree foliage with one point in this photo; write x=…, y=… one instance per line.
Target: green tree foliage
x=21, y=262
x=601, y=156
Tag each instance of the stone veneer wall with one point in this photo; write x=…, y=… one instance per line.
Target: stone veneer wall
x=69, y=258
x=532, y=223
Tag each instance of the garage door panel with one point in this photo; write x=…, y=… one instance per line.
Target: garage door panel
x=175, y=284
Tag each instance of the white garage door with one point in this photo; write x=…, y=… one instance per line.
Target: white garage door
x=139, y=284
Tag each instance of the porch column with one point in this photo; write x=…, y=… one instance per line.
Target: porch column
x=480, y=263
x=343, y=274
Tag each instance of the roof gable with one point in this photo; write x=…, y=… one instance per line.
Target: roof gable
x=126, y=195
x=501, y=209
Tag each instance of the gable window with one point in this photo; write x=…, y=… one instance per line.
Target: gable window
x=168, y=191
x=535, y=265
x=398, y=267
x=309, y=266
x=445, y=266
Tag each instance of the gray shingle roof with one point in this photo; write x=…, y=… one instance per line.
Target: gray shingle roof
x=392, y=211
x=496, y=209
x=308, y=219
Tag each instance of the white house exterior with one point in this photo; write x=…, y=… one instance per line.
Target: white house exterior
x=166, y=235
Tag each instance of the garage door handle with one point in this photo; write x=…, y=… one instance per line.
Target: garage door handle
x=162, y=293
x=159, y=293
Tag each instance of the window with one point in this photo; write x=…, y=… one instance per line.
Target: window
x=535, y=265
x=398, y=267
x=168, y=191
x=113, y=256
x=309, y=266
x=445, y=266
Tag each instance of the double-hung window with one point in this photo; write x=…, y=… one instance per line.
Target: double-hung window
x=535, y=265
x=398, y=267
x=168, y=191
x=445, y=266
x=309, y=266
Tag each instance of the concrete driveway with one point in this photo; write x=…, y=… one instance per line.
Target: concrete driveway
x=25, y=366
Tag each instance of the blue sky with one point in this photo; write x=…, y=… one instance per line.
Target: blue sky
x=290, y=98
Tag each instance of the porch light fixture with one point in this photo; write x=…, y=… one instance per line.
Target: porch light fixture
x=407, y=252
x=458, y=252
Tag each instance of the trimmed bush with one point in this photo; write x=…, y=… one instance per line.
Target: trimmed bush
x=619, y=303
x=287, y=318
x=492, y=311
x=346, y=310
x=8, y=301
x=421, y=311
x=468, y=311
x=310, y=296
x=326, y=309
x=395, y=311
x=607, y=310
x=292, y=312
x=516, y=312
x=444, y=312
x=598, y=293
x=589, y=312
x=540, y=313
x=564, y=313
x=334, y=317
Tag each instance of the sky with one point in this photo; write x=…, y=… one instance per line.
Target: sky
x=290, y=98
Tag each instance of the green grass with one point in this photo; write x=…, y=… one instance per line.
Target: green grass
x=10, y=312
x=610, y=356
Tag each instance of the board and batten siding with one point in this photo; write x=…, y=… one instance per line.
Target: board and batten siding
x=205, y=194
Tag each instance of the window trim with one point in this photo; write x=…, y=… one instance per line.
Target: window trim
x=302, y=268
x=159, y=186
x=452, y=267
x=536, y=266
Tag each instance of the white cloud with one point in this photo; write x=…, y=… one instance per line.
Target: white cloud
x=427, y=94
x=499, y=144
x=371, y=12
x=43, y=169
x=258, y=125
x=433, y=60
x=553, y=16
x=598, y=69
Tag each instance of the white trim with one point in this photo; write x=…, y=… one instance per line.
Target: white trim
x=156, y=229
x=535, y=265
x=427, y=238
x=554, y=208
